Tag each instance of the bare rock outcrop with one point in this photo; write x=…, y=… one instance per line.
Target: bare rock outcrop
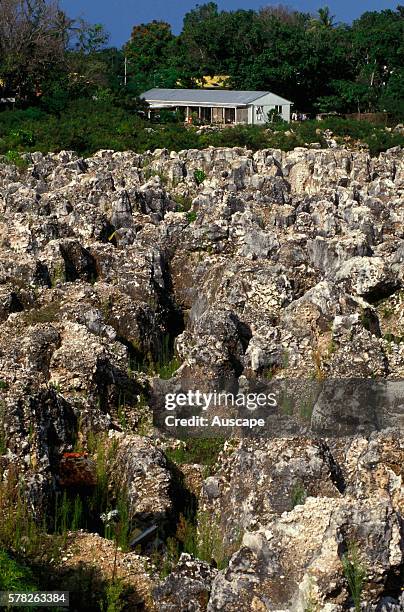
x=220, y=263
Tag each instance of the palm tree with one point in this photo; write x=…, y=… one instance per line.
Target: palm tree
x=325, y=19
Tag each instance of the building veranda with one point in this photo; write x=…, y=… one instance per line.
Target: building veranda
x=219, y=106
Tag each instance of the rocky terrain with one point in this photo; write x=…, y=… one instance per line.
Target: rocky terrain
x=121, y=268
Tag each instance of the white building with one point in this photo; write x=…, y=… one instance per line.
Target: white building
x=220, y=105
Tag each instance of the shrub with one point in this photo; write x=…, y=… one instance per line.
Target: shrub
x=381, y=140
x=87, y=125
x=13, y=157
x=199, y=176
x=274, y=117
x=22, y=137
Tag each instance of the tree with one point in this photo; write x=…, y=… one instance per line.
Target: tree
x=148, y=52
x=200, y=41
x=317, y=63
x=89, y=38
x=88, y=67
x=281, y=12
x=325, y=19
x=374, y=56
x=392, y=97
x=377, y=40
x=34, y=36
x=149, y=45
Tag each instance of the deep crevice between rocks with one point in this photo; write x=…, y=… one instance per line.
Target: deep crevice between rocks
x=382, y=292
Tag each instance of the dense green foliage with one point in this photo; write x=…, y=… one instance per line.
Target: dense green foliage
x=71, y=92
x=87, y=126
x=320, y=65
x=48, y=60
x=197, y=450
x=13, y=575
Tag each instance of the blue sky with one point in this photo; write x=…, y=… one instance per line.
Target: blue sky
x=119, y=16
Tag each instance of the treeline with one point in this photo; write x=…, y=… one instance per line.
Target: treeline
x=317, y=63
x=48, y=59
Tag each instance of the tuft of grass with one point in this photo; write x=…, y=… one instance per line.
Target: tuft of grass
x=166, y=362
x=355, y=573
x=318, y=362
x=184, y=203
x=104, y=499
x=69, y=514
x=167, y=369
x=389, y=337
x=46, y=314
x=19, y=531
x=58, y=274
x=202, y=537
x=311, y=604
x=162, y=363
x=148, y=173
x=113, y=600
x=365, y=319
x=204, y=451
x=298, y=494
x=332, y=347
x=285, y=359
x=103, y=454
x=306, y=410
x=186, y=535
x=286, y=405
x=191, y=216
x=3, y=439
x=123, y=527
x=210, y=541
x=14, y=576
x=171, y=556
x=122, y=412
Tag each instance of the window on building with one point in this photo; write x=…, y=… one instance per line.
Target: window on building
x=242, y=115
x=259, y=111
x=278, y=108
